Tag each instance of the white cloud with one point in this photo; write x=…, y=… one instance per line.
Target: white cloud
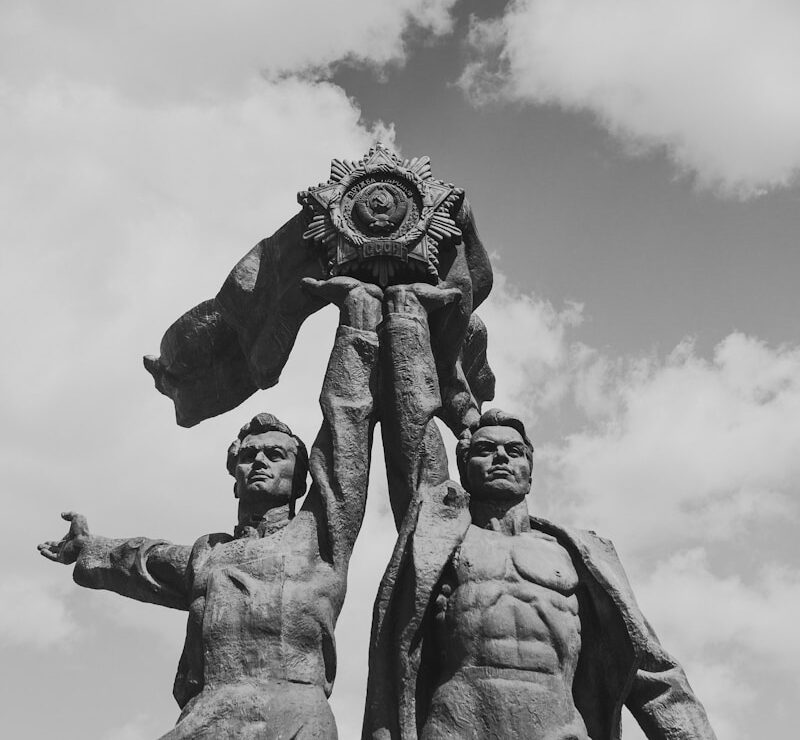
x=103, y=181
x=729, y=633
x=182, y=50
x=712, y=81
x=33, y=614
x=752, y=621
x=689, y=448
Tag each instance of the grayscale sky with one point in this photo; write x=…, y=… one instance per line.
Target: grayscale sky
x=633, y=168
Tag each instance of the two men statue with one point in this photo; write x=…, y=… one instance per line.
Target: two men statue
x=488, y=623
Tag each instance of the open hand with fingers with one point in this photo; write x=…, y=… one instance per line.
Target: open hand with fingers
x=67, y=549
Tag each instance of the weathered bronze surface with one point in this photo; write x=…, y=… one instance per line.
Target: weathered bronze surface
x=489, y=623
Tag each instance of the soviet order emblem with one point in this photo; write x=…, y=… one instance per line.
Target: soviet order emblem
x=381, y=207
x=383, y=219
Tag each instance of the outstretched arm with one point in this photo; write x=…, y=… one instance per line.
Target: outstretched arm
x=340, y=457
x=147, y=570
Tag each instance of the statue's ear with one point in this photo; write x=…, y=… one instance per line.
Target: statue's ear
x=235, y=490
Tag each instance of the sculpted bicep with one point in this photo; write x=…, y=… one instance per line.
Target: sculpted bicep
x=169, y=563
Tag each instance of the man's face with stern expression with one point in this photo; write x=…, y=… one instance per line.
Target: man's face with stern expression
x=265, y=467
x=497, y=465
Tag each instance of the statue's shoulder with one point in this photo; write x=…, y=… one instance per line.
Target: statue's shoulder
x=587, y=541
x=442, y=511
x=448, y=495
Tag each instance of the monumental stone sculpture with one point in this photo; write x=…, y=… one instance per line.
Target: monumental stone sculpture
x=489, y=623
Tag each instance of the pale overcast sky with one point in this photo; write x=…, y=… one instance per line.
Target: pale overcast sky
x=633, y=168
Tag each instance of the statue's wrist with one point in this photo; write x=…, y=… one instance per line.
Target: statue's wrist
x=76, y=547
x=403, y=300
x=360, y=310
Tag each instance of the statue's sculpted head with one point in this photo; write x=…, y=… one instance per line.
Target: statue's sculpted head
x=495, y=460
x=267, y=460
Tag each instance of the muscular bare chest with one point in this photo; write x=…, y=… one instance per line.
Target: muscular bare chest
x=528, y=559
x=510, y=601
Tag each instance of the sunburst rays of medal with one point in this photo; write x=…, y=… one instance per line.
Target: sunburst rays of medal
x=344, y=244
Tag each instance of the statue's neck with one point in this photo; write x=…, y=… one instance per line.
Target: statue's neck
x=508, y=517
x=265, y=520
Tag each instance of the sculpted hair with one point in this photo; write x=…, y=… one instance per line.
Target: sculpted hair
x=490, y=418
x=268, y=423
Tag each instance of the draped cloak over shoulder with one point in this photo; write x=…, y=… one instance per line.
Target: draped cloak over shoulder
x=621, y=660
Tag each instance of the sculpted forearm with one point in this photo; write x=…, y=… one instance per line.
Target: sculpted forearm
x=410, y=393
x=340, y=456
x=142, y=569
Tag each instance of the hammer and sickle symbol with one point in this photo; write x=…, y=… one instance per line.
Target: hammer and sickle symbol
x=381, y=208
